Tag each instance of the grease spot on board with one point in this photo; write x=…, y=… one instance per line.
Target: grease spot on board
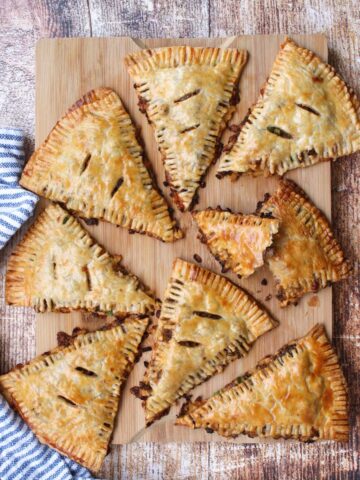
x=314, y=301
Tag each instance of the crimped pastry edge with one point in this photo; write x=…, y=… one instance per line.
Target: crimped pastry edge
x=91, y=102
x=304, y=158
x=76, y=340
x=20, y=265
x=140, y=62
x=339, y=430
x=291, y=194
x=257, y=319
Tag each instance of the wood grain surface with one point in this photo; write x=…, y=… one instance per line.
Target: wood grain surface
x=22, y=22
x=71, y=67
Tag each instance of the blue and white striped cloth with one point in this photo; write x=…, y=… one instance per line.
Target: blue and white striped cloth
x=16, y=204
x=23, y=457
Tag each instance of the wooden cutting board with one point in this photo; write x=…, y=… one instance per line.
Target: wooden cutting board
x=66, y=69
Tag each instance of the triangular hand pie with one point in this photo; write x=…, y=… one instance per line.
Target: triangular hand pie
x=206, y=322
x=188, y=94
x=305, y=256
x=69, y=396
x=92, y=163
x=59, y=267
x=237, y=241
x=305, y=114
x=298, y=393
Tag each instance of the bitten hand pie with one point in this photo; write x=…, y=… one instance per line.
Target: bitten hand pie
x=206, y=322
x=305, y=256
x=59, y=267
x=305, y=114
x=188, y=95
x=92, y=163
x=298, y=393
x=69, y=396
x=237, y=241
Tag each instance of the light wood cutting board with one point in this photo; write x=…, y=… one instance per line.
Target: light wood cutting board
x=66, y=69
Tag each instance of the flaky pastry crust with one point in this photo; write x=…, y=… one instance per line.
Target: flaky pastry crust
x=93, y=163
x=305, y=256
x=206, y=322
x=305, y=114
x=298, y=393
x=69, y=396
x=59, y=267
x=188, y=95
x=237, y=241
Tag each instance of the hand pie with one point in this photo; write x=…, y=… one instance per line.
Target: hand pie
x=92, y=162
x=206, y=322
x=237, y=241
x=305, y=114
x=69, y=396
x=297, y=393
x=188, y=94
x=59, y=267
x=304, y=256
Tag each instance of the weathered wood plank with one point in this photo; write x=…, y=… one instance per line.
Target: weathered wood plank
x=22, y=23
x=149, y=18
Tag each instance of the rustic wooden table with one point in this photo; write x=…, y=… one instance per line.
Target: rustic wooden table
x=22, y=23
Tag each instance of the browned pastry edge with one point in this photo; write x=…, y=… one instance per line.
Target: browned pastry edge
x=353, y=99
x=66, y=340
x=141, y=61
x=15, y=274
x=144, y=390
x=204, y=239
x=174, y=194
x=88, y=98
x=185, y=416
x=343, y=269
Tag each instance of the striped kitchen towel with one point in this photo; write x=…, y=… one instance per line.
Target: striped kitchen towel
x=23, y=457
x=16, y=204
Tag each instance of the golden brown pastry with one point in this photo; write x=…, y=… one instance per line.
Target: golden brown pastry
x=92, y=162
x=305, y=114
x=69, y=396
x=206, y=322
x=59, y=267
x=188, y=94
x=298, y=393
x=305, y=256
x=237, y=241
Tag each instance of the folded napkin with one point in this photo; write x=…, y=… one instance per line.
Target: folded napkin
x=16, y=204
x=23, y=457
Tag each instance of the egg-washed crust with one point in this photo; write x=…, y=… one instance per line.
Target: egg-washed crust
x=314, y=407
x=69, y=396
x=59, y=267
x=238, y=242
x=93, y=163
x=188, y=94
x=206, y=322
x=305, y=114
x=305, y=256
